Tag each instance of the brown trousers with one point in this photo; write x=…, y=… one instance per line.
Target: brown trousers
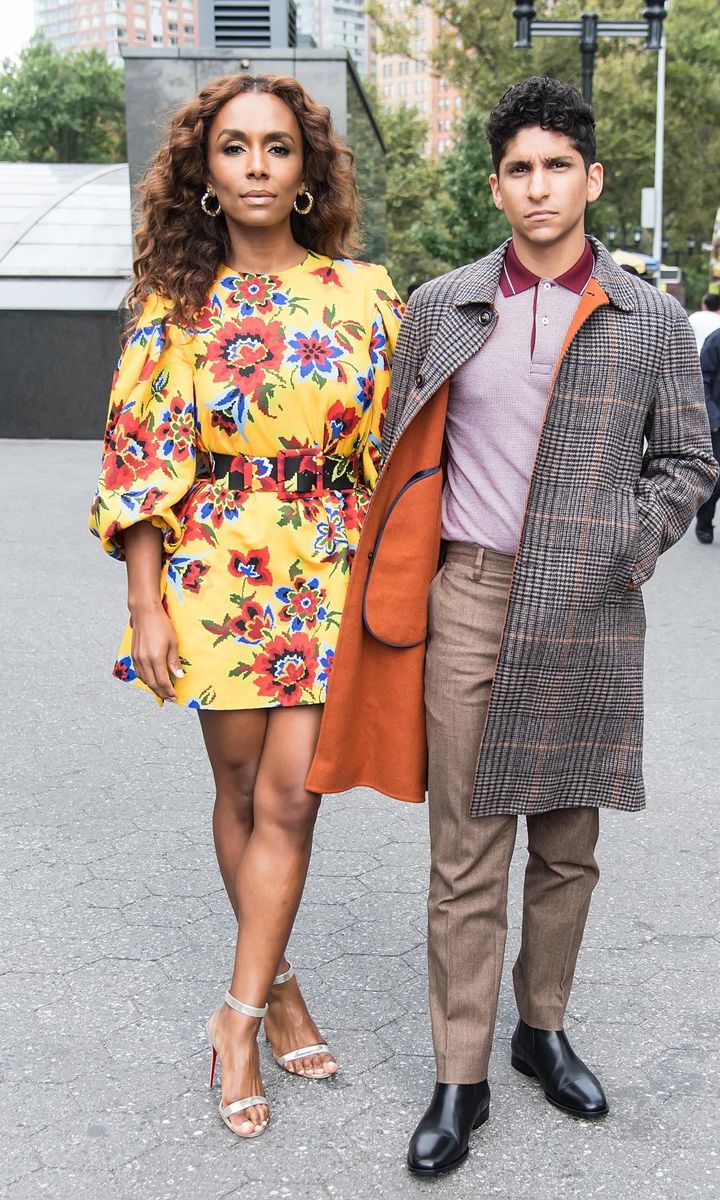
x=467, y=904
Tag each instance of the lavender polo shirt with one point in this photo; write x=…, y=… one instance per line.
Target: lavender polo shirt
x=497, y=404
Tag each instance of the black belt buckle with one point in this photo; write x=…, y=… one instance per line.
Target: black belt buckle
x=300, y=472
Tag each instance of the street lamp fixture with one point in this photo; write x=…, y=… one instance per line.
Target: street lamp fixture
x=611, y=235
x=588, y=29
x=691, y=243
x=654, y=13
x=637, y=235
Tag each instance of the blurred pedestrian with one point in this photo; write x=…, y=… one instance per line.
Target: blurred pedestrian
x=707, y=319
x=547, y=429
x=710, y=364
x=242, y=445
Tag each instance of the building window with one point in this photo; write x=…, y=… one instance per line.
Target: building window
x=189, y=29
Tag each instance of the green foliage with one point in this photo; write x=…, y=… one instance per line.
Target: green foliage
x=61, y=108
x=411, y=183
x=463, y=223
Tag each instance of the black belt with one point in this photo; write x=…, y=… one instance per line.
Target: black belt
x=307, y=471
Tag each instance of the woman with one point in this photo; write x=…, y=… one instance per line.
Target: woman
x=241, y=449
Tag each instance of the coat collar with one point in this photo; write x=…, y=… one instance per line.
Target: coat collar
x=479, y=281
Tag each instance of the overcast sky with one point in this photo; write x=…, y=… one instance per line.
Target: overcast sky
x=17, y=25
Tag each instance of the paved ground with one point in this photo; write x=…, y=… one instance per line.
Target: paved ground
x=117, y=936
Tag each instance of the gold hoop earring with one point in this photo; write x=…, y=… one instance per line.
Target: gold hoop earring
x=303, y=212
x=210, y=212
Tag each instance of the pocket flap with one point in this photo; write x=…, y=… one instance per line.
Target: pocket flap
x=403, y=563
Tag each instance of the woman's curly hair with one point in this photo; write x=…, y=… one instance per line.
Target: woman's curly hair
x=180, y=249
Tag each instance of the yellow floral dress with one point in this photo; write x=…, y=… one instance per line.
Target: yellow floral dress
x=282, y=380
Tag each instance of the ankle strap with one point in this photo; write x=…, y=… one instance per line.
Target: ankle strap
x=247, y=1010
x=284, y=977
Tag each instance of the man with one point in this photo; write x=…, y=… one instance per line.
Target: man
x=707, y=319
x=565, y=398
x=710, y=364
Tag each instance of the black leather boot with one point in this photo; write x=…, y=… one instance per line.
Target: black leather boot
x=568, y=1083
x=440, y=1141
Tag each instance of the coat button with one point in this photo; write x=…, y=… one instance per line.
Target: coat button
x=419, y=379
x=485, y=316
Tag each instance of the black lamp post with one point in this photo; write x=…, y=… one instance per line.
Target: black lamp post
x=588, y=29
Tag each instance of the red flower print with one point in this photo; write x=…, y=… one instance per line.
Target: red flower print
x=151, y=501
x=286, y=668
x=193, y=575
x=220, y=420
x=253, y=565
x=327, y=275
x=353, y=514
x=244, y=352
x=176, y=433
x=220, y=504
x=259, y=295
x=303, y=603
x=341, y=420
x=252, y=622
x=131, y=455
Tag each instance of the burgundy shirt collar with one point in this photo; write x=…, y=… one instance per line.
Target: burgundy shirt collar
x=516, y=278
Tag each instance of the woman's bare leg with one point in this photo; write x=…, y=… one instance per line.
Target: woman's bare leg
x=234, y=742
x=268, y=888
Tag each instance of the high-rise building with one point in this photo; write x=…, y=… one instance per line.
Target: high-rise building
x=108, y=25
x=339, y=25
x=411, y=81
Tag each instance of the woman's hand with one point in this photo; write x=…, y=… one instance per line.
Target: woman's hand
x=154, y=643
x=155, y=649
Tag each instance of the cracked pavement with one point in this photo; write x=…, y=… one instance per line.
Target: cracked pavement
x=117, y=937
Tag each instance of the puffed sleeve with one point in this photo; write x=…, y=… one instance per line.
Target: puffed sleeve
x=149, y=451
x=388, y=309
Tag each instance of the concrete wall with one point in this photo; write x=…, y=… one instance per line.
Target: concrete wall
x=62, y=391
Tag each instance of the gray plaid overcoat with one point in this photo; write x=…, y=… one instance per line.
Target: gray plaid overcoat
x=623, y=463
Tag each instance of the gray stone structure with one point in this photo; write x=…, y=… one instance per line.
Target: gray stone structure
x=65, y=265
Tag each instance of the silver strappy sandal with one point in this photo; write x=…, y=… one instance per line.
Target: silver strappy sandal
x=304, y=1051
x=237, y=1106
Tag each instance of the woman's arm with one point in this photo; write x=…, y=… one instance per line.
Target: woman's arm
x=154, y=644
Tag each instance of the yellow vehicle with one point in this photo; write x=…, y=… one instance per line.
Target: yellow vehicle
x=715, y=256
x=671, y=278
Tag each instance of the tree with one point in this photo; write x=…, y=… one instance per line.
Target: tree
x=412, y=182
x=463, y=223
x=61, y=108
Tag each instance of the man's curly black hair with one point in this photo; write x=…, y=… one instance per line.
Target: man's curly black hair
x=548, y=103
